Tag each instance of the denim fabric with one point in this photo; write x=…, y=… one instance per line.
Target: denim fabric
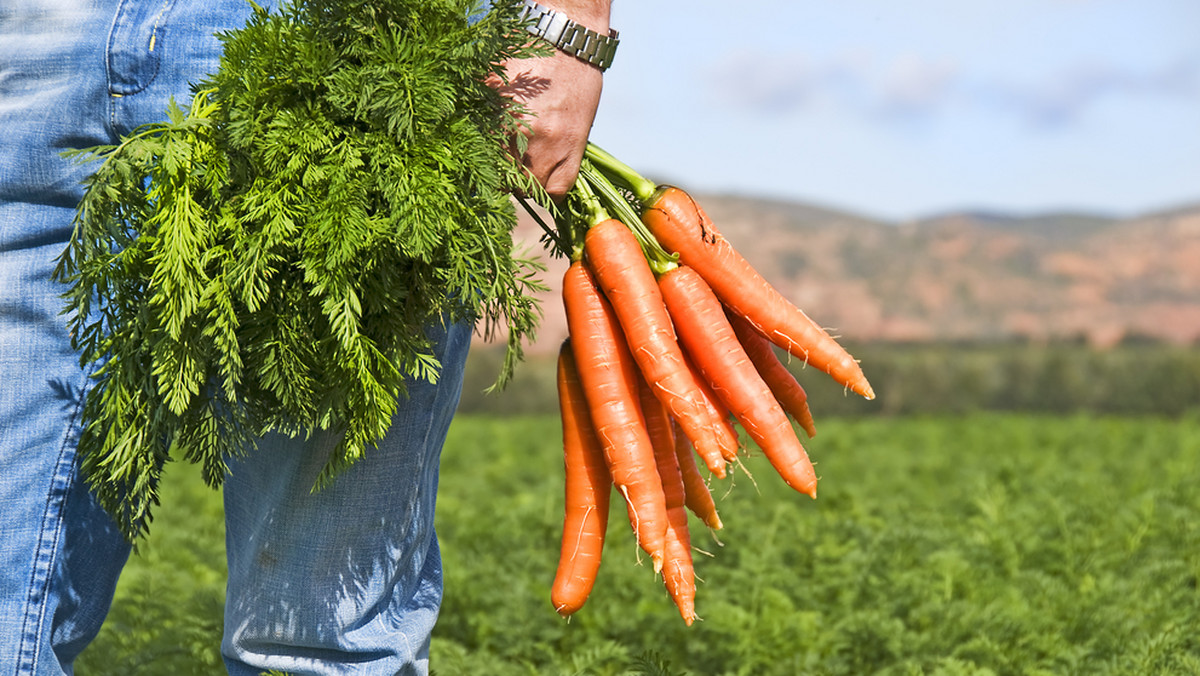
x=352, y=571
x=343, y=581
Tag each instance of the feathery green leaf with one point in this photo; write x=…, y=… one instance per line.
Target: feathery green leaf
x=272, y=256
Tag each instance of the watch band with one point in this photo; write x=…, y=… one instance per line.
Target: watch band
x=568, y=36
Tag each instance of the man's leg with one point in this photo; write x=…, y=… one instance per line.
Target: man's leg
x=73, y=74
x=60, y=555
x=348, y=579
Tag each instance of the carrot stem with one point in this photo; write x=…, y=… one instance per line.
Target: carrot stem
x=659, y=260
x=561, y=238
x=593, y=207
x=642, y=187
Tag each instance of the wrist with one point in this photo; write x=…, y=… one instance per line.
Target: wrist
x=577, y=27
x=587, y=13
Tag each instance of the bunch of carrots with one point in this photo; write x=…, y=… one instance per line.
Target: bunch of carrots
x=671, y=343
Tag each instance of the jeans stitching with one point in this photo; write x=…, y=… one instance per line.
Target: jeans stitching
x=158, y=19
x=108, y=79
x=162, y=11
x=45, y=557
x=159, y=27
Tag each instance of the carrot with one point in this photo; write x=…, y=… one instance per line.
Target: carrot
x=783, y=384
x=678, y=569
x=695, y=491
x=659, y=426
x=679, y=226
x=588, y=488
x=609, y=378
x=613, y=254
x=717, y=411
x=706, y=334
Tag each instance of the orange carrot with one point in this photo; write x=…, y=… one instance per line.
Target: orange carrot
x=678, y=571
x=681, y=226
x=783, y=384
x=614, y=256
x=659, y=426
x=695, y=491
x=710, y=341
x=717, y=411
x=609, y=378
x=588, y=487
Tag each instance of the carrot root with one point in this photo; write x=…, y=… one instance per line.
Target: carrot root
x=711, y=342
x=616, y=259
x=587, y=489
x=609, y=378
x=779, y=379
x=681, y=226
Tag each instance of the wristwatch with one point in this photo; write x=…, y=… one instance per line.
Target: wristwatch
x=568, y=36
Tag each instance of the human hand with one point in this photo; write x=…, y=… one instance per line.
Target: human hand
x=560, y=94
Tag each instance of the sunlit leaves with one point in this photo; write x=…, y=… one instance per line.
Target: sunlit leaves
x=271, y=257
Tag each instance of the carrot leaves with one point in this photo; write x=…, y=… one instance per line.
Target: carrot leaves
x=269, y=257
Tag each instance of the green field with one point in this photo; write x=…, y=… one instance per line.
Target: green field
x=975, y=544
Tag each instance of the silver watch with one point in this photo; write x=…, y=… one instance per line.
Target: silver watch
x=565, y=34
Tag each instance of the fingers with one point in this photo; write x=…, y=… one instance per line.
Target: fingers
x=559, y=94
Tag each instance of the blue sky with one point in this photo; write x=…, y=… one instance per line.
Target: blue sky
x=904, y=109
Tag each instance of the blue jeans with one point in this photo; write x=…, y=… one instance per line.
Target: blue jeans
x=343, y=581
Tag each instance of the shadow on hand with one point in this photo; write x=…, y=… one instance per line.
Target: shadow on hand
x=524, y=87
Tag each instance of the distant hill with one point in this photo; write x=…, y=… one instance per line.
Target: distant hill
x=965, y=276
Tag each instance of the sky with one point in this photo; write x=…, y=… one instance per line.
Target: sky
x=900, y=110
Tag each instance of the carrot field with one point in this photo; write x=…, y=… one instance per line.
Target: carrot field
x=982, y=543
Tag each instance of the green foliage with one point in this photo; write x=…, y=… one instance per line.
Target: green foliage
x=1045, y=378
x=976, y=545
x=270, y=258
x=987, y=544
x=167, y=618
x=932, y=379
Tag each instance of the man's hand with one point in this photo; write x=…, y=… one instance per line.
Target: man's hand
x=560, y=93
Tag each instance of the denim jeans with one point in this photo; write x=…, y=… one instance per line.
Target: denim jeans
x=346, y=580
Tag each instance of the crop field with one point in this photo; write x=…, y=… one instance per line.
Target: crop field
x=974, y=544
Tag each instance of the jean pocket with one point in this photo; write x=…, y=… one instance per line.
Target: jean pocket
x=135, y=44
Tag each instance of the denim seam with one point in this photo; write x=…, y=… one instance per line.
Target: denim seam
x=162, y=11
x=45, y=557
x=111, y=121
x=113, y=97
x=158, y=19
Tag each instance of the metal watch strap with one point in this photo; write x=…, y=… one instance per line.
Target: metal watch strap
x=568, y=36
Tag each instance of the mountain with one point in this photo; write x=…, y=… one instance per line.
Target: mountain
x=962, y=276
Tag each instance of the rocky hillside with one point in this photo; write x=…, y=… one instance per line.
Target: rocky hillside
x=964, y=276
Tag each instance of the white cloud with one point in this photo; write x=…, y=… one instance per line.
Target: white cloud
x=911, y=86
x=914, y=85
x=1063, y=97
x=783, y=84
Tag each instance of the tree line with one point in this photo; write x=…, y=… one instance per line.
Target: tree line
x=916, y=379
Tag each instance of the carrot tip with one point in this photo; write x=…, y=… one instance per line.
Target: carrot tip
x=810, y=429
x=715, y=523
